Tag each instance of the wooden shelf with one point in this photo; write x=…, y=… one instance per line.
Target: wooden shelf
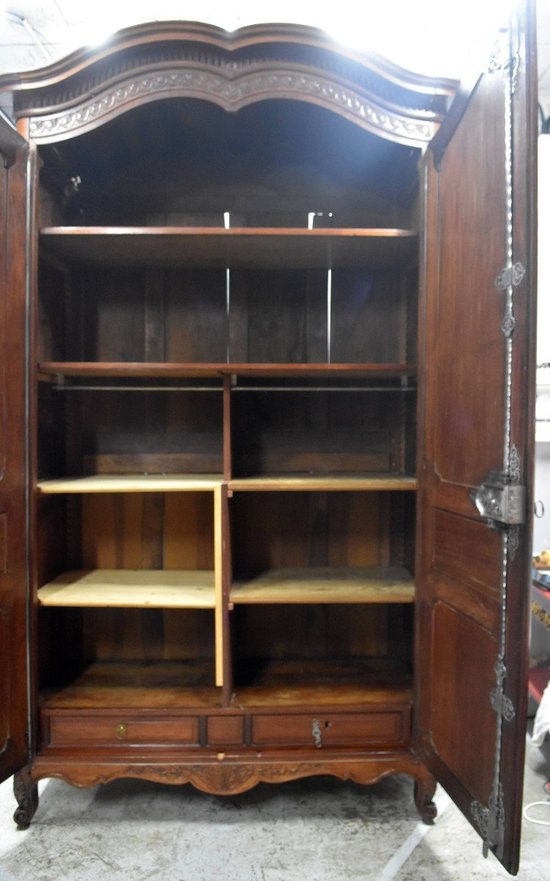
x=176, y=685
x=157, y=685
x=324, y=483
x=126, y=483
x=311, y=682
x=326, y=585
x=122, y=483
x=238, y=248
x=161, y=370
x=131, y=588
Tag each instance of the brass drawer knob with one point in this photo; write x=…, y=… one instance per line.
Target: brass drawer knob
x=121, y=730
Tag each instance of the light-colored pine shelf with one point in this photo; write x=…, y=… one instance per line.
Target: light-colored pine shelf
x=131, y=588
x=120, y=483
x=326, y=585
x=126, y=483
x=324, y=482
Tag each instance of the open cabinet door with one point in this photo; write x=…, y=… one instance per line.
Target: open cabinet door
x=476, y=440
x=13, y=466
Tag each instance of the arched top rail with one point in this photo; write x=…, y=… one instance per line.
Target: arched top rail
x=161, y=60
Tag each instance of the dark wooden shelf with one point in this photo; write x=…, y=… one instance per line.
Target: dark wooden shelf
x=181, y=685
x=311, y=682
x=167, y=370
x=238, y=248
x=137, y=685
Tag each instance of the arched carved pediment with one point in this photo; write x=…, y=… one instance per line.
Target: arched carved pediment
x=149, y=63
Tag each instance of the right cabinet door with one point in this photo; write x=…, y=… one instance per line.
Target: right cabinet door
x=476, y=440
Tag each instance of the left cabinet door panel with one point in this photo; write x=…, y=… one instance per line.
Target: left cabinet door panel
x=13, y=470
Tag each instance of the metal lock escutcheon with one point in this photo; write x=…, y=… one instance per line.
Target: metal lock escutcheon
x=122, y=730
x=317, y=729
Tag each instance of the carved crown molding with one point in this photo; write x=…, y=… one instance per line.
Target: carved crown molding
x=182, y=59
x=233, y=87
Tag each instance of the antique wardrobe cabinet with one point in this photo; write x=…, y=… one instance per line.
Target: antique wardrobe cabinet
x=266, y=418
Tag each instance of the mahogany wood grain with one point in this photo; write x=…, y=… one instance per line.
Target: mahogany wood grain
x=129, y=685
x=331, y=729
x=133, y=288
x=203, y=370
x=106, y=730
x=207, y=247
x=227, y=430
x=470, y=583
x=276, y=530
x=163, y=685
x=233, y=772
x=14, y=696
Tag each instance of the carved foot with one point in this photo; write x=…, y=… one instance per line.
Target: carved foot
x=424, y=789
x=26, y=793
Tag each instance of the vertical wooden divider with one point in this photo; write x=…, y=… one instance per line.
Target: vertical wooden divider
x=227, y=445
x=218, y=586
x=222, y=568
x=225, y=540
x=226, y=588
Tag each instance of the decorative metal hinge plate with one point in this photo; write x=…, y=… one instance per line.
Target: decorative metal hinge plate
x=510, y=275
x=499, y=501
x=502, y=705
x=490, y=821
x=506, y=59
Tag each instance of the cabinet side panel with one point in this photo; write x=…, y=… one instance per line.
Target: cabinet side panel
x=13, y=659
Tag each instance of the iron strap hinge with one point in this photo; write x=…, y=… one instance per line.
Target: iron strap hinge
x=499, y=501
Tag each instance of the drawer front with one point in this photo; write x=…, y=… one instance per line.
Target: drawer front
x=121, y=730
x=390, y=727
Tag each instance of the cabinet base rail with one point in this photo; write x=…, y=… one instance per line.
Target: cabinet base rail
x=224, y=774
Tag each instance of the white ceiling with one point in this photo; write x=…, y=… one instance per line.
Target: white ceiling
x=433, y=37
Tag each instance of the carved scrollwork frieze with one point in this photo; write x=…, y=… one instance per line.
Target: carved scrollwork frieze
x=232, y=92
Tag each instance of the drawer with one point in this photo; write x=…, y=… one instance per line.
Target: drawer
x=390, y=728
x=117, y=730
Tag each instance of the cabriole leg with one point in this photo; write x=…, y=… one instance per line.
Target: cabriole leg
x=26, y=793
x=424, y=789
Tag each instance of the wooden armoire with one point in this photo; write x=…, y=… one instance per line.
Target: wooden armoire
x=266, y=372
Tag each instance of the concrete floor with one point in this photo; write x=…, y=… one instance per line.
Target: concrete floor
x=312, y=830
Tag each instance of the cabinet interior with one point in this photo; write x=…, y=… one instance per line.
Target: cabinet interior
x=228, y=298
